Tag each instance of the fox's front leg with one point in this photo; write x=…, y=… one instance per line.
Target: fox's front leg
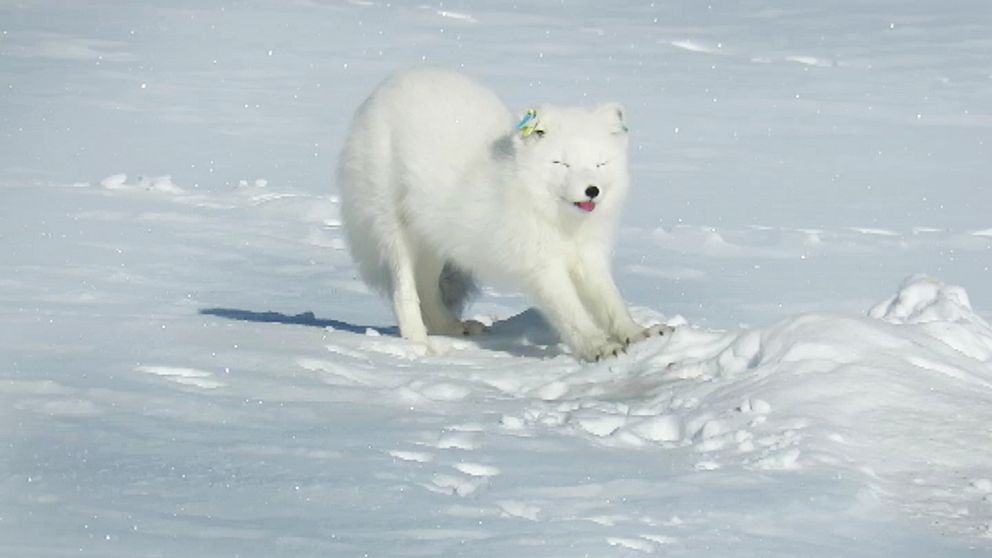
x=557, y=298
x=600, y=295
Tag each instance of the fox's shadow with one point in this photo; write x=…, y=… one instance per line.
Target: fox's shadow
x=526, y=334
x=304, y=319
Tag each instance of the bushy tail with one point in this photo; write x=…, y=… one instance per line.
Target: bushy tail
x=457, y=288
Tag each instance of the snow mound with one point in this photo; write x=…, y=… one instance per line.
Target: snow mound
x=161, y=184
x=895, y=403
x=942, y=310
x=826, y=394
x=924, y=299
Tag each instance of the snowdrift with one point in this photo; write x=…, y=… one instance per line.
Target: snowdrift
x=899, y=400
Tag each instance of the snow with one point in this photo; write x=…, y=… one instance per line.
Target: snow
x=190, y=366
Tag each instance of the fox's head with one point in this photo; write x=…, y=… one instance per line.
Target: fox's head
x=578, y=155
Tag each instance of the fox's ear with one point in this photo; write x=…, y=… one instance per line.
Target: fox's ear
x=614, y=114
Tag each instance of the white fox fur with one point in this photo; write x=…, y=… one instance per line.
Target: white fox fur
x=438, y=185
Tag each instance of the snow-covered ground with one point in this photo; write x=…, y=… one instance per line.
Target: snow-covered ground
x=189, y=366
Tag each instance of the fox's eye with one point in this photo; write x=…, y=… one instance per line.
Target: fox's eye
x=562, y=163
x=539, y=133
x=603, y=164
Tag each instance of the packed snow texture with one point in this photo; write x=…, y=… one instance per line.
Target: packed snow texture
x=190, y=366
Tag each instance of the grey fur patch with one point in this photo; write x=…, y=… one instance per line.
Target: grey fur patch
x=457, y=288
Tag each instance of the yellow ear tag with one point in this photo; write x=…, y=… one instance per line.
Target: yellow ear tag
x=528, y=123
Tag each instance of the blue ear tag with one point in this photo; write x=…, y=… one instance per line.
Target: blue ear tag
x=528, y=123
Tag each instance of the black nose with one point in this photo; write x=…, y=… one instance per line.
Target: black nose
x=592, y=192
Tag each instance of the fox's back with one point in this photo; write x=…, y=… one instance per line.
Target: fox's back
x=429, y=126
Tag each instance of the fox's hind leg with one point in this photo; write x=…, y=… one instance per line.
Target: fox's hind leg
x=406, y=302
x=440, y=314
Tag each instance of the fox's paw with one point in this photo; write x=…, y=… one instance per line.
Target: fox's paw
x=606, y=350
x=658, y=330
x=461, y=328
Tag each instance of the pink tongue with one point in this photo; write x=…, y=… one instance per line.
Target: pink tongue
x=586, y=205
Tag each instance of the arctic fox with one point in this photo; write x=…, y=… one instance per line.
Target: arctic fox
x=439, y=183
